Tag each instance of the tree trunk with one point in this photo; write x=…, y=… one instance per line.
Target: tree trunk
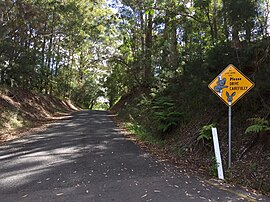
x=42, y=70
x=91, y=104
x=248, y=31
x=225, y=21
x=215, y=21
x=148, y=55
x=165, y=51
x=48, y=84
x=142, y=44
x=235, y=37
x=57, y=60
x=175, y=54
x=211, y=26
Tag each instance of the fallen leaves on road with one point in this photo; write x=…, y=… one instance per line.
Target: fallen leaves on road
x=144, y=196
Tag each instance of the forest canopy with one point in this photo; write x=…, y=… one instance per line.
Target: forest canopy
x=56, y=47
x=83, y=50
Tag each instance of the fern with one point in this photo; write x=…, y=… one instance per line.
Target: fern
x=260, y=121
x=205, y=133
x=166, y=127
x=175, y=114
x=165, y=113
x=259, y=125
x=161, y=116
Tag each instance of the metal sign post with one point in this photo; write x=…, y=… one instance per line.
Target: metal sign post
x=230, y=138
x=230, y=85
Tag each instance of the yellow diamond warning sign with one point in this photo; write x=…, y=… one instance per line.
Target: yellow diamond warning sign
x=230, y=85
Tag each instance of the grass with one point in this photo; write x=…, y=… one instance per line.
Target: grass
x=178, y=151
x=142, y=134
x=11, y=120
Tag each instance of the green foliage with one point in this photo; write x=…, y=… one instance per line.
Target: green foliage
x=86, y=94
x=11, y=120
x=142, y=133
x=205, y=133
x=259, y=125
x=165, y=113
x=150, y=12
x=50, y=46
x=213, y=167
x=136, y=129
x=115, y=83
x=178, y=151
x=100, y=106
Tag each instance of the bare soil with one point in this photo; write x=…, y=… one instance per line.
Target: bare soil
x=23, y=112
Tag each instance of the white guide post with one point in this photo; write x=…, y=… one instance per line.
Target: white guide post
x=217, y=154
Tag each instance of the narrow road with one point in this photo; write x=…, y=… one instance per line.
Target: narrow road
x=86, y=158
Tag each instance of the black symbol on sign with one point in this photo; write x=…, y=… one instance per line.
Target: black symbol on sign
x=230, y=97
x=220, y=85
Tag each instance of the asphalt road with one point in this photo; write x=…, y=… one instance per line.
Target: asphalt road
x=86, y=158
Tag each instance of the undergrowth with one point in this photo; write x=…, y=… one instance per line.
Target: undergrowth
x=205, y=133
x=11, y=120
x=258, y=125
x=161, y=120
x=142, y=134
x=165, y=113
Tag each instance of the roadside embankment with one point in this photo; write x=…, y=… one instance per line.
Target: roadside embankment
x=22, y=110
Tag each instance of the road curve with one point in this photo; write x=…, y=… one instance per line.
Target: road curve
x=86, y=158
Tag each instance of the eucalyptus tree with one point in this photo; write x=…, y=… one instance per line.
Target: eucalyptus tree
x=51, y=46
x=241, y=16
